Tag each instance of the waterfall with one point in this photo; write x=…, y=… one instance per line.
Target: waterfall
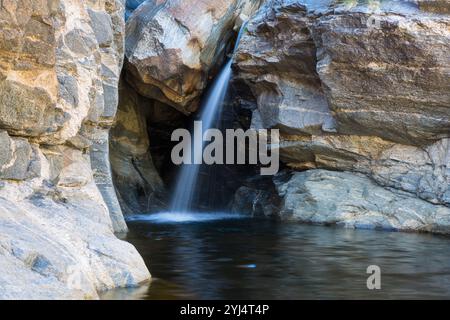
x=211, y=108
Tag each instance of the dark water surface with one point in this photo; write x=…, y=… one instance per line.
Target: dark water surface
x=259, y=259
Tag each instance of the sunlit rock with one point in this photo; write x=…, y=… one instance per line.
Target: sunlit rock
x=172, y=46
x=60, y=63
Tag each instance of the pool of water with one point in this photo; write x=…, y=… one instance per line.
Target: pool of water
x=241, y=258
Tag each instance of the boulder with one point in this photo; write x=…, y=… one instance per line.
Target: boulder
x=353, y=200
x=172, y=47
x=378, y=97
x=63, y=249
x=356, y=87
x=424, y=172
x=276, y=62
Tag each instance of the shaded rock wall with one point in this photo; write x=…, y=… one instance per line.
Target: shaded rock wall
x=137, y=181
x=60, y=63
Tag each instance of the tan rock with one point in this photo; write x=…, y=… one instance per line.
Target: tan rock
x=171, y=50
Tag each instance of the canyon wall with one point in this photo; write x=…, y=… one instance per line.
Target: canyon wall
x=60, y=63
x=361, y=90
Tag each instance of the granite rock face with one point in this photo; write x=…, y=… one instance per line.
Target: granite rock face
x=60, y=64
x=171, y=51
x=354, y=87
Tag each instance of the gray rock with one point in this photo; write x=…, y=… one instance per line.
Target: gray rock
x=352, y=200
x=424, y=172
x=6, y=151
x=389, y=81
x=349, y=96
x=277, y=62
x=18, y=160
x=255, y=202
x=102, y=25
x=51, y=250
x=60, y=64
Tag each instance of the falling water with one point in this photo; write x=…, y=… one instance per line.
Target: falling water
x=211, y=106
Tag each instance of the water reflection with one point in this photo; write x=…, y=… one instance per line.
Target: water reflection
x=253, y=259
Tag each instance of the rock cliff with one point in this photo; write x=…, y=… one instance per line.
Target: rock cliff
x=360, y=88
x=60, y=64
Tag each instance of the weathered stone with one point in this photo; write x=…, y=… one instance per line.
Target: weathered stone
x=438, y=6
x=18, y=160
x=379, y=99
x=52, y=250
x=102, y=25
x=390, y=80
x=171, y=50
x=330, y=197
x=100, y=161
x=60, y=64
x=277, y=62
x=423, y=172
x=136, y=180
x=6, y=150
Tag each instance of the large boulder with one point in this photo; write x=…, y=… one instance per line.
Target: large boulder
x=276, y=63
x=352, y=200
x=424, y=172
x=61, y=245
x=355, y=70
x=172, y=46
